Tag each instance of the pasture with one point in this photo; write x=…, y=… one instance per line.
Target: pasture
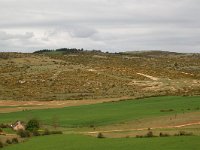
x=77, y=142
x=109, y=113
x=118, y=121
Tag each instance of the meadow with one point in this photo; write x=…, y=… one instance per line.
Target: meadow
x=81, y=125
x=108, y=113
x=77, y=142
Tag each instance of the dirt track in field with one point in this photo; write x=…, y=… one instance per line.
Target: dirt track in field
x=13, y=106
x=141, y=129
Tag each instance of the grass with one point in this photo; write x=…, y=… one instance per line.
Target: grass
x=75, y=142
x=108, y=113
x=9, y=131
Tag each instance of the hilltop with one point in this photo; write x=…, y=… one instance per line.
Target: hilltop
x=65, y=74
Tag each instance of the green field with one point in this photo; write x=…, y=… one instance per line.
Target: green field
x=78, y=142
x=109, y=113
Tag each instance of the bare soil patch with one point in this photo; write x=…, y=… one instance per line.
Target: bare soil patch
x=28, y=105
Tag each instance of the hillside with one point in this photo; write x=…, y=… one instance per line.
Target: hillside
x=77, y=74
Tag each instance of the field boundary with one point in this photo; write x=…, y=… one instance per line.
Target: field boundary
x=142, y=129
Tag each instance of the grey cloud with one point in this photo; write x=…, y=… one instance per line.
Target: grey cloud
x=106, y=24
x=73, y=30
x=82, y=32
x=7, y=36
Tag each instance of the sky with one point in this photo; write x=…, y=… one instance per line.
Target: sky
x=108, y=25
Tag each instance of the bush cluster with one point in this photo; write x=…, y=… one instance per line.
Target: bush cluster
x=15, y=140
x=183, y=133
x=4, y=125
x=32, y=125
x=8, y=141
x=150, y=134
x=1, y=144
x=23, y=133
x=163, y=134
x=26, y=133
x=100, y=135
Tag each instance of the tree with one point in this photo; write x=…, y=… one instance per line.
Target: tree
x=33, y=124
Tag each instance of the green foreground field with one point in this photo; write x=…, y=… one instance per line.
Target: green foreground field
x=109, y=113
x=78, y=142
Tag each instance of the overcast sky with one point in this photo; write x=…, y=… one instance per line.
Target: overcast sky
x=110, y=25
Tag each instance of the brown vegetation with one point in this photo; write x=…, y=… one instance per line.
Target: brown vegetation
x=96, y=75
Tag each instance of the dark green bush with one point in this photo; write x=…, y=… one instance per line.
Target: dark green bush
x=8, y=141
x=4, y=125
x=33, y=124
x=183, y=133
x=139, y=136
x=56, y=132
x=23, y=133
x=15, y=141
x=1, y=144
x=163, y=134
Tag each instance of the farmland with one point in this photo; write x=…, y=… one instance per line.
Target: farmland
x=116, y=120
x=110, y=113
x=74, y=142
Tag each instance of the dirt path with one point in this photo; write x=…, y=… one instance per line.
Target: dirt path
x=148, y=76
x=141, y=129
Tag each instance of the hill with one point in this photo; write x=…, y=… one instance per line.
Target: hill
x=65, y=74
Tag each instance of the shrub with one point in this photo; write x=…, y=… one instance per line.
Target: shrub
x=163, y=134
x=183, y=133
x=166, y=110
x=23, y=133
x=91, y=126
x=150, y=134
x=4, y=125
x=46, y=132
x=56, y=132
x=100, y=135
x=36, y=132
x=1, y=144
x=139, y=136
x=15, y=141
x=33, y=124
x=8, y=141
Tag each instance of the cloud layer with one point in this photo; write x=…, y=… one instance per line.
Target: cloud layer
x=111, y=25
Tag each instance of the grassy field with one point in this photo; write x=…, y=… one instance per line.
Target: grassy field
x=109, y=113
x=77, y=142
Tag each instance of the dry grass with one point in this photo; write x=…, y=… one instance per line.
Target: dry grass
x=14, y=106
x=96, y=76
